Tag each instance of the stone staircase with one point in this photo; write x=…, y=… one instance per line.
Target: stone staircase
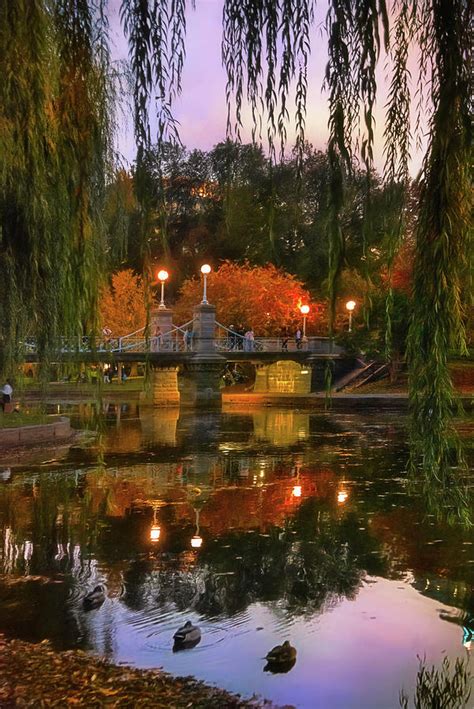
x=363, y=373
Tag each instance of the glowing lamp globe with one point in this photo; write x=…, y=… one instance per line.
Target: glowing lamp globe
x=205, y=269
x=296, y=492
x=163, y=275
x=155, y=533
x=304, y=309
x=342, y=496
x=196, y=541
x=350, y=305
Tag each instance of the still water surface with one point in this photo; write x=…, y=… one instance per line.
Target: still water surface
x=273, y=525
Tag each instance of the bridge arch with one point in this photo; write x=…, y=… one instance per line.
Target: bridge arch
x=283, y=377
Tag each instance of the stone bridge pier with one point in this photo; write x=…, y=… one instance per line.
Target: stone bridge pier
x=164, y=389
x=289, y=377
x=282, y=377
x=197, y=382
x=200, y=379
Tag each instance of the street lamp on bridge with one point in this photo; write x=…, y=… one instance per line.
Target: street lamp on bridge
x=304, y=309
x=350, y=305
x=205, y=270
x=163, y=277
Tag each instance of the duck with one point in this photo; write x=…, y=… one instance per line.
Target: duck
x=95, y=598
x=187, y=636
x=281, y=658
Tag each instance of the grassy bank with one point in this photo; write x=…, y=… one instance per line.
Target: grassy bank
x=16, y=419
x=36, y=676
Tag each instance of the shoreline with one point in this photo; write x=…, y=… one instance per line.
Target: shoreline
x=34, y=674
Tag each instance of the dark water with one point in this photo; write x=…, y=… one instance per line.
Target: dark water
x=303, y=529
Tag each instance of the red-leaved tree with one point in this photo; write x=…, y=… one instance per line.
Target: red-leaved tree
x=264, y=298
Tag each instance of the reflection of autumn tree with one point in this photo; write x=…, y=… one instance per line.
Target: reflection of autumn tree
x=308, y=564
x=433, y=551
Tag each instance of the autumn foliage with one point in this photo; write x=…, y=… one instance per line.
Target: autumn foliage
x=122, y=304
x=401, y=276
x=264, y=298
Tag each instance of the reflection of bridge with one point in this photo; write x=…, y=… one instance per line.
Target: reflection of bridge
x=199, y=350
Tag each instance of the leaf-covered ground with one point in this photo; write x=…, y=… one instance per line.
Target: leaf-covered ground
x=37, y=676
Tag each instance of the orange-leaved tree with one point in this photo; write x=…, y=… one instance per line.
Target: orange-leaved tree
x=122, y=304
x=264, y=298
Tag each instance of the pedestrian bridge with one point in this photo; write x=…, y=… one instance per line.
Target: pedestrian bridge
x=177, y=342
x=187, y=361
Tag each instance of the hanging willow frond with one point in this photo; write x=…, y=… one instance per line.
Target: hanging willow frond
x=397, y=123
x=442, y=243
x=54, y=140
x=156, y=32
x=353, y=47
x=342, y=116
x=265, y=46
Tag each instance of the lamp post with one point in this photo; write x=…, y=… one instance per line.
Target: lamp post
x=350, y=305
x=162, y=277
x=205, y=270
x=304, y=309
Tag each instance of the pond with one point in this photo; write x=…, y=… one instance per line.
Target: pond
x=259, y=526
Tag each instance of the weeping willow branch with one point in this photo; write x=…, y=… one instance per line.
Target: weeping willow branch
x=55, y=137
x=442, y=241
x=265, y=46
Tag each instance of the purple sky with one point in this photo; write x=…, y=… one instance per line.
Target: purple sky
x=201, y=109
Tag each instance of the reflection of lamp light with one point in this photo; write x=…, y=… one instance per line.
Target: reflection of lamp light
x=205, y=270
x=196, y=539
x=297, y=490
x=162, y=277
x=342, y=496
x=155, y=533
x=350, y=305
x=155, y=529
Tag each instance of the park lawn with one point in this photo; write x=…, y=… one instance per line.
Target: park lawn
x=132, y=384
x=22, y=418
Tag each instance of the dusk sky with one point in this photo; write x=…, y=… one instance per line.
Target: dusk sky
x=201, y=109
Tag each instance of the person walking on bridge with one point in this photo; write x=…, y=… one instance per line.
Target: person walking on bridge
x=298, y=339
x=157, y=339
x=249, y=340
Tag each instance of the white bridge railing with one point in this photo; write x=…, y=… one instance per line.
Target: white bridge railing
x=228, y=340
x=181, y=339
x=178, y=339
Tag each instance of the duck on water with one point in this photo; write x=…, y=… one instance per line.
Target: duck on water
x=186, y=637
x=281, y=658
x=95, y=598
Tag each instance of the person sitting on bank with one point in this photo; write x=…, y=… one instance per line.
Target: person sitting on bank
x=7, y=393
